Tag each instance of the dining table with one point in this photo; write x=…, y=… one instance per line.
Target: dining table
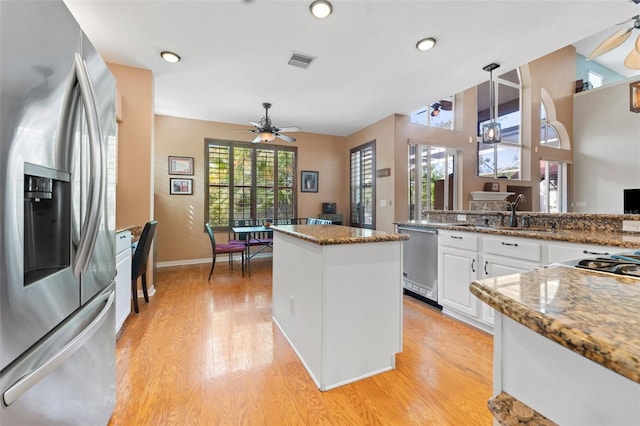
x=251, y=238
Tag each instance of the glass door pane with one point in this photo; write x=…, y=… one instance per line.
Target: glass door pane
x=363, y=186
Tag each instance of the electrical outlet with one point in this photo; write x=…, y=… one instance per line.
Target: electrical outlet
x=291, y=305
x=631, y=225
x=461, y=218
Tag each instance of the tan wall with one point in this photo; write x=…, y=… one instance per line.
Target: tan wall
x=383, y=133
x=182, y=216
x=134, y=204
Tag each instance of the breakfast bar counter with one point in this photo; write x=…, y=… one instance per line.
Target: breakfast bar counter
x=566, y=344
x=337, y=298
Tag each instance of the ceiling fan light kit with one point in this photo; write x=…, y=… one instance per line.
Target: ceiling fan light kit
x=267, y=132
x=491, y=132
x=321, y=8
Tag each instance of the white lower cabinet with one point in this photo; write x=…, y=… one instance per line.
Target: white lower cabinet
x=497, y=266
x=464, y=257
x=457, y=269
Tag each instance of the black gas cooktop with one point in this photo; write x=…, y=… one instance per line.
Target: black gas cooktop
x=623, y=264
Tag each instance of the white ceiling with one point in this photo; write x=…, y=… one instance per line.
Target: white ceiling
x=234, y=52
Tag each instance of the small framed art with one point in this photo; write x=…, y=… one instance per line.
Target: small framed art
x=180, y=165
x=180, y=186
x=309, y=181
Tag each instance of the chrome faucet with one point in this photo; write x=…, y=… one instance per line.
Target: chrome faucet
x=513, y=220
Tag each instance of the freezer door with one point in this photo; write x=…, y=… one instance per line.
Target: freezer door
x=68, y=378
x=37, y=44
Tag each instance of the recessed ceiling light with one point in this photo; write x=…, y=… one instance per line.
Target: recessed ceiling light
x=321, y=8
x=170, y=57
x=426, y=44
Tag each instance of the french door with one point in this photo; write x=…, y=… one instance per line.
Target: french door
x=363, y=186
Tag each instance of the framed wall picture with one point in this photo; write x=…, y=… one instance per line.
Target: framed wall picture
x=309, y=181
x=180, y=165
x=634, y=96
x=180, y=186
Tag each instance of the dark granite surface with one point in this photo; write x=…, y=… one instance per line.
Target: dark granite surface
x=336, y=234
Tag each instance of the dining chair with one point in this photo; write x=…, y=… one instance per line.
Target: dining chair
x=239, y=238
x=139, y=263
x=229, y=249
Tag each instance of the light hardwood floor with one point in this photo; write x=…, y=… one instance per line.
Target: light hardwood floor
x=207, y=353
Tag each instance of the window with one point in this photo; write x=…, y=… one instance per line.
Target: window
x=501, y=160
x=553, y=177
x=363, y=185
x=247, y=181
x=438, y=114
x=548, y=134
x=432, y=183
x=595, y=79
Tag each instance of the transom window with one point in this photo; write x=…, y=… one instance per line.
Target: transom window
x=249, y=181
x=548, y=134
x=501, y=160
x=438, y=114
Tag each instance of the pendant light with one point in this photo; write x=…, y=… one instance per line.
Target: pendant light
x=491, y=130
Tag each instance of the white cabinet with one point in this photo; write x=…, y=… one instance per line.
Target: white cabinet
x=465, y=256
x=497, y=266
x=123, y=277
x=457, y=269
x=458, y=265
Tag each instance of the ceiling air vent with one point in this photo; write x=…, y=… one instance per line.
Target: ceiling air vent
x=299, y=60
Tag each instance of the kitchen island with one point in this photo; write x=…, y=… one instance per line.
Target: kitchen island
x=566, y=345
x=337, y=298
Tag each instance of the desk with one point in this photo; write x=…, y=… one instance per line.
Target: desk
x=249, y=233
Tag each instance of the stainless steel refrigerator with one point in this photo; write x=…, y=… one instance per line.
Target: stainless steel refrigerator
x=57, y=220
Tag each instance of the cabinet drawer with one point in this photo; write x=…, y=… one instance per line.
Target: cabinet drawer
x=461, y=240
x=569, y=252
x=513, y=247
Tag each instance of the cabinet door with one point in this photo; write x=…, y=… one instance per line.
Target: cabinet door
x=457, y=268
x=496, y=266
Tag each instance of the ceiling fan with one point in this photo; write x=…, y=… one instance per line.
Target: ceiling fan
x=616, y=39
x=266, y=131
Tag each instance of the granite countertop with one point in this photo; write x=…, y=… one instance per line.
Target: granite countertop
x=597, y=237
x=594, y=314
x=336, y=234
x=136, y=231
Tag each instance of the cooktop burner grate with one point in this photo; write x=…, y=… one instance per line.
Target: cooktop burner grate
x=628, y=266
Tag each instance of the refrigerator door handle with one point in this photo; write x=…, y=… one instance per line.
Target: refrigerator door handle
x=91, y=221
x=27, y=381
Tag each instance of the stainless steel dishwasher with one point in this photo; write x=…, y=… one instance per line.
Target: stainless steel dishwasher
x=420, y=263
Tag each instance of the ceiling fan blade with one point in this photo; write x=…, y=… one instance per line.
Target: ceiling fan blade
x=633, y=18
x=256, y=140
x=253, y=123
x=633, y=60
x=285, y=137
x=289, y=129
x=615, y=40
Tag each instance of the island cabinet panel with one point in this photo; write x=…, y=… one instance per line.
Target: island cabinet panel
x=564, y=386
x=339, y=305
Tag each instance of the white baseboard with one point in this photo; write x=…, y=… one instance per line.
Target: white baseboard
x=187, y=262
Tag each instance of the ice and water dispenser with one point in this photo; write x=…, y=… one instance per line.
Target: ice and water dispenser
x=47, y=222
